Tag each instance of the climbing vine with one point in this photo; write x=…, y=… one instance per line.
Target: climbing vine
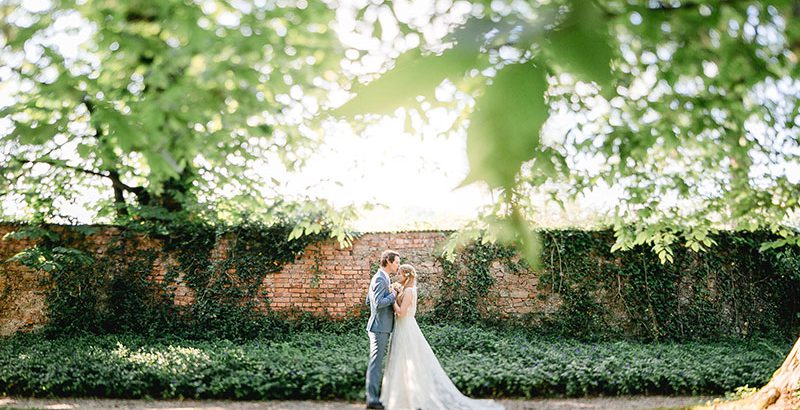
x=70, y=295
x=86, y=292
x=735, y=290
x=228, y=297
x=466, y=280
x=114, y=291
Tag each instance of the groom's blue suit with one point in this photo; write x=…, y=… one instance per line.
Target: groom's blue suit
x=380, y=300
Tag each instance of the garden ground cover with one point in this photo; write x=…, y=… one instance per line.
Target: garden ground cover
x=331, y=365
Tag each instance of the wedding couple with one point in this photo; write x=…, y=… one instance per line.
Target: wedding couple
x=414, y=379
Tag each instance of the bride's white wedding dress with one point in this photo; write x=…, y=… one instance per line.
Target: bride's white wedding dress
x=414, y=379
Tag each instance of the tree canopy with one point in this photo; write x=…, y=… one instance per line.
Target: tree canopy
x=685, y=111
x=166, y=105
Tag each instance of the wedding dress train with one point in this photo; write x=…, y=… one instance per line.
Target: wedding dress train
x=414, y=379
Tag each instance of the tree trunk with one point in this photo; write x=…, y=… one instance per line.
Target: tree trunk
x=175, y=191
x=120, y=205
x=778, y=394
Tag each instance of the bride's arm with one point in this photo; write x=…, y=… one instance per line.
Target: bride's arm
x=405, y=303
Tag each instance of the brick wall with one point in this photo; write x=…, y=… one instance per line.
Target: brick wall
x=21, y=296
x=344, y=274
x=328, y=279
x=325, y=278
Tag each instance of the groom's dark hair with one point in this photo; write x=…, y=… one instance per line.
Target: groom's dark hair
x=388, y=256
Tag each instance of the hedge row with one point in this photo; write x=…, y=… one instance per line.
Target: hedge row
x=322, y=365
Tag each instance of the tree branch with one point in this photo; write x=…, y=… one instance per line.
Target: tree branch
x=141, y=194
x=113, y=175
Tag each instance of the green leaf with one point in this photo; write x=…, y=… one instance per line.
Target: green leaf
x=581, y=45
x=530, y=244
x=161, y=168
x=297, y=232
x=84, y=150
x=39, y=134
x=504, y=129
x=414, y=75
x=129, y=135
x=641, y=237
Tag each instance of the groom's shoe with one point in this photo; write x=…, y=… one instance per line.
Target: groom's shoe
x=378, y=406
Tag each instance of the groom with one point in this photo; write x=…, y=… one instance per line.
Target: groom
x=380, y=299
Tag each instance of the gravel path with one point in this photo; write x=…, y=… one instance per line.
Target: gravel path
x=601, y=403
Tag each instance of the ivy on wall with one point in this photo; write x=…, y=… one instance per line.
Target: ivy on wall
x=733, y=290
x=467, y=279
x=228, y=299
x=113, y=291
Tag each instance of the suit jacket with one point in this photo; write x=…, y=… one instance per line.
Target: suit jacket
x=380, y=300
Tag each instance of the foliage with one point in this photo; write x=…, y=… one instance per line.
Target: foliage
x=169, y=105
x=741, y=392
x=684, y=112
x=584, y=290
x=466, y=281
x=588, y=291
x=72, y=302
x=228, y=301
x=109, y=293
x=114, y=291
x=319, y=364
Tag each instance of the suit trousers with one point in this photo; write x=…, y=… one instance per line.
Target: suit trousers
x=378, y=342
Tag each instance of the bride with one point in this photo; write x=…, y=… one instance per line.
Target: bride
x=414, y=379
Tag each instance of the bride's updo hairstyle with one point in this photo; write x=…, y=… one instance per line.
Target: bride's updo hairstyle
x=407, y=270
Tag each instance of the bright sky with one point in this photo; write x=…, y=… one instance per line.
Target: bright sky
x=415, y=177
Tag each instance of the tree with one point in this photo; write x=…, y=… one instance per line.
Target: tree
x=685, y=110
x=158, y=104
x=691, y=146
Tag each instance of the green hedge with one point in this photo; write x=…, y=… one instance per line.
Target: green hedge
x=324, y=364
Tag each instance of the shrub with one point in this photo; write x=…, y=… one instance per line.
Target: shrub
x=331, y=363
